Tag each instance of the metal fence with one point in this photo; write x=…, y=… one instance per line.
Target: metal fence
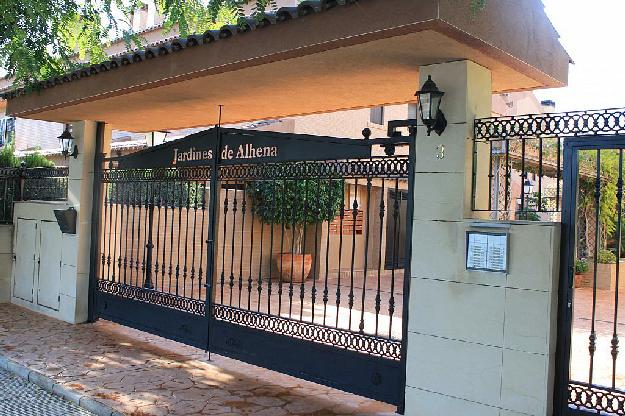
x=30, y=184
x=525, y=163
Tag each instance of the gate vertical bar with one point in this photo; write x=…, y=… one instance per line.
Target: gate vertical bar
x=408, y=260
x=95, y=221
x=619, y=203
x=592, y=338
x=210, y=239
x=148, y=284
x=565, y=293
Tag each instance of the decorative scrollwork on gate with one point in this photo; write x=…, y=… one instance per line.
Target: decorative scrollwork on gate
x=196, y=173
x=389, y=348
x=597, y=399
x=395, y=167
x=194, y=306
x=573, y=123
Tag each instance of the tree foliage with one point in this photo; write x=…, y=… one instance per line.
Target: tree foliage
x=609, y=171
x=42, y=38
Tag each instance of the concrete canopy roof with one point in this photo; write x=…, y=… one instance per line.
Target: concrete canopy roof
x=361, y=54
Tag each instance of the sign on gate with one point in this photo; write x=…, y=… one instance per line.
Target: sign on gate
x=250, y=147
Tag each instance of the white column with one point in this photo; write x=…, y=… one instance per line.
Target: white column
x=6, y=260
x=76, y=248
x=479, y=343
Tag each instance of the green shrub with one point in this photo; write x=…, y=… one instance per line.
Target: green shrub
x=33, y=160
x=581, y=266
x=7, y=157
x=606, y=257
x=528, y=215
x=37, y=160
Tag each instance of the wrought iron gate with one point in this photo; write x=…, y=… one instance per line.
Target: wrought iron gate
x=270, y=248
x=591, y=371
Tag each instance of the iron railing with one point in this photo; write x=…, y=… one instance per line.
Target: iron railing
x=524, y=179
x=153, y=247
x=30, y=184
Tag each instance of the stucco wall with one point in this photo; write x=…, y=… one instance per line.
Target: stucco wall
x=483, y=343
x=33, y=134
x=6, y=262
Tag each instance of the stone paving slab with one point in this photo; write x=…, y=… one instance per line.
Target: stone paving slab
x=139, y=374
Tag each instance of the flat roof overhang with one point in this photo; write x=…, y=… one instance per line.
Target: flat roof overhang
x=354, y=56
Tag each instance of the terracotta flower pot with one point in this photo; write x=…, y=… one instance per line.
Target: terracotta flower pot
x=289, y=265
x=578, y=280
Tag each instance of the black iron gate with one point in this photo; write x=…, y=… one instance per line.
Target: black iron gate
x=265, y=247
x=591, y=376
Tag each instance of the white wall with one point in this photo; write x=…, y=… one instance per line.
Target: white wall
x=482, y=342
x=6, y=262
x=33, y=134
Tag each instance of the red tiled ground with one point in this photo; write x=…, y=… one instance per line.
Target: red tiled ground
x=140, y=375
x=604, y=328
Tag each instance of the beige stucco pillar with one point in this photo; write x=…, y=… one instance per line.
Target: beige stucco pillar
x=76, y=248
x=6, y=260
x=479, y=343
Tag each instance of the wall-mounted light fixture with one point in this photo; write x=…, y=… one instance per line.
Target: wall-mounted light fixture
x=429, y=107
x=67, y=143
x=66, y=218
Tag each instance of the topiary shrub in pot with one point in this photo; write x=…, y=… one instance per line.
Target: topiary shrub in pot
x=581, y=267
x=297, y=205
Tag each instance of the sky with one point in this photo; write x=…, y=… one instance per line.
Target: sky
x=593, y=33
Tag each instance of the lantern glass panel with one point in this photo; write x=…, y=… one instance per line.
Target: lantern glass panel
x=426, y=106
x=436, y=104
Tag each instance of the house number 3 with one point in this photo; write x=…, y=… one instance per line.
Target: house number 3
x=440, y=151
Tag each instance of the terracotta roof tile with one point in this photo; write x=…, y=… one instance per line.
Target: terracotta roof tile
x=167, y=46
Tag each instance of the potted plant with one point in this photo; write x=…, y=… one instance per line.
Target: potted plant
x=581, y=267
x=298, y=205
x=606, y=269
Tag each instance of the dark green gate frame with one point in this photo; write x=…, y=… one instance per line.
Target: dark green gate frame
x=179, y=173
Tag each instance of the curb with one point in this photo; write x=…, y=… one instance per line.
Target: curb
x=51, y=386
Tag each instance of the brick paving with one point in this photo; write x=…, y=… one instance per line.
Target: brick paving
x=143, y=375
x=19, y=397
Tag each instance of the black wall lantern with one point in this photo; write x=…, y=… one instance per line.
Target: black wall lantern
x=66, y=218
x=67, y=143
x=429, y=107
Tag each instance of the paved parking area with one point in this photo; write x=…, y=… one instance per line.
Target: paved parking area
x=19, y=397
x=139, y=374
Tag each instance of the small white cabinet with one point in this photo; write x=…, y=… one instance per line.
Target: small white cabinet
x=37, y=271
x=25, y=258
x=49, y=274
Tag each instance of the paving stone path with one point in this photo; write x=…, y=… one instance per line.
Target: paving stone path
x=138, y=374
x=19, y=397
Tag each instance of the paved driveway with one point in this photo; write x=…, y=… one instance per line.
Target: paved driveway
x=142, y=375
x=19, y=397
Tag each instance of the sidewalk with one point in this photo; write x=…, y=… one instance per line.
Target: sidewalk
x=142, y=375
x=20, y=397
